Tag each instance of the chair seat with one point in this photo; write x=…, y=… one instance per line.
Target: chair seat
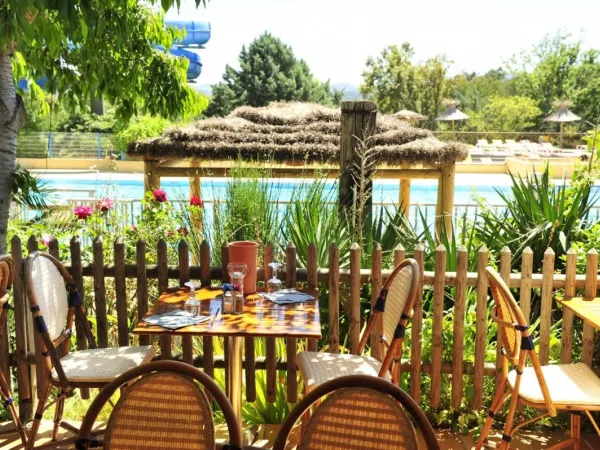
x=570, y=385
x=317, y=368
x=103, y=365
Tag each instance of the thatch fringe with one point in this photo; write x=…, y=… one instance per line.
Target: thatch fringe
x=285, y=132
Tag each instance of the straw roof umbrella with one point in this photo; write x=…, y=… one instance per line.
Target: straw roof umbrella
x=409, y=116
x=452, y=113
x=562, y=115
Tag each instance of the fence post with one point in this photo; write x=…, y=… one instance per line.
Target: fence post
x=121, y=293
x=291, y=343
x=100, y=293
x=312, y=275
x=459, y=326
x=34, y=341
x=334, y=299
x=566, y=336
x=525, y=288
x=163, y=284
x=591, y=280
x=505, y=268
x=438, y=312
x=76, y=273
x=21, y=310
x=417, y=326
x=376, y=284
x=142, y=285
x=271, y=359
x=354, y=319
x=546, y=305
x=184, y=276
x=480, y=327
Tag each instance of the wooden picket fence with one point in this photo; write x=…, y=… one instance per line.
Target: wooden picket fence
x=27, y=358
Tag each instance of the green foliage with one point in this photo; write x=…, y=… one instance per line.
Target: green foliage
x=537, y=214
x=506, y=114
x=395, y=83
x=29, y=190
x=139, y=128
x=88, y=123
x=269, y=72
x=106, y=44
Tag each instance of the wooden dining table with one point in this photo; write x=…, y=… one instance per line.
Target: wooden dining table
x=588, y=309
x=261, y=318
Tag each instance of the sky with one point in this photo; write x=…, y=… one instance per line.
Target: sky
x=335, y=37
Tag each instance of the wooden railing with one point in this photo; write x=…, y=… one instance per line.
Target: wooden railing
x=333, y=281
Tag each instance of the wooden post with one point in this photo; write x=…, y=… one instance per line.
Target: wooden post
x=142, y=285
x=196, y=191
x=591, y=288
x=546, y=306
x=100, y=294
x=291, y=343
x=438, y=317
x=480, y=327
x=334, y=299
x=183, y=255
x=354, y=319
x=271, y=357
x=459, y=326
x=376, y=285
x=312, y=266
x=445, y=199
x=357, y=125
x=121, y=293
x=151, y=177
x=417, y=327
x=76, y=273
x=404, y=198
x=566, y=354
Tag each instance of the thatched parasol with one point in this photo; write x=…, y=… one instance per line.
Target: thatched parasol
x=288, y=132
x=452, y=113
x=562, y=115
x=409, y=116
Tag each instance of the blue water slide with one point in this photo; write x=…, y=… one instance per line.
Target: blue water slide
x=195, y=67
x=197, y=33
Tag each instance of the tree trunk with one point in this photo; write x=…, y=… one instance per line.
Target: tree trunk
x=12, y=118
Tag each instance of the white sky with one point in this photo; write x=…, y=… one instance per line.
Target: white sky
x=335, y=37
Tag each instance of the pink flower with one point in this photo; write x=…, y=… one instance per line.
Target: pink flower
x=83, y=211
x=105, y=205
x=132, y=228
x=183, y=231
x=45, y=240
x=196, y=201
x=159, y=195
x=170, y=233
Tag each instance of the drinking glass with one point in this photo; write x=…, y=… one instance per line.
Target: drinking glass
x=191, y=306
x=237, y=272
x=274, y=284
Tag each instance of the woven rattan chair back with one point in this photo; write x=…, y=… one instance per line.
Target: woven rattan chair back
x=50, y=294
x=161, y=410
x=508, y=313
x=400, y=291
x=359, y=412
x=340, y=422
x=164, y=408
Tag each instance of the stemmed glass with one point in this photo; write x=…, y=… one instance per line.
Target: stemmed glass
x=192, y=306
x=274, y=284
x=237, y=272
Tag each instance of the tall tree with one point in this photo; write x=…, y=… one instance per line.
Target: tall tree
x=390, y=80
x=434, y=87
x=268, y=72
x=85, y=49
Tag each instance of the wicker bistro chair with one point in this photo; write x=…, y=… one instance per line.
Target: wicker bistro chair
x=568, y=387
x=165, y=408
x=392, y=309
x=359, y=412
x=46, y=283
x=7, y=270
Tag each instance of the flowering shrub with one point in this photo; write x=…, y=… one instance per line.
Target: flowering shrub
x=159, y=195
x=83, y=212
x=196, y=201
x=105, y=205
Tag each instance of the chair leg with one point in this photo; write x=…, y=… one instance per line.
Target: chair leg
x=494, y=408
x=37, y=418
x=58, y=413
x=576, y=431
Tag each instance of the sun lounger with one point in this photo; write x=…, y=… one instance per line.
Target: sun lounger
x=483, y=144
x=515, y=147
x=498, y=145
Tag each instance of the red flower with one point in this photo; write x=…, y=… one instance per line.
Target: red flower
x=159, y=195
x=105, y=205
x=132, y=228
x=196, y=201
x=183, y=231
x=83, y=212
x=170, y=233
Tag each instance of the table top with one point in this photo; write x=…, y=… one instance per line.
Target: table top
x=261, y=317
x=586, y=308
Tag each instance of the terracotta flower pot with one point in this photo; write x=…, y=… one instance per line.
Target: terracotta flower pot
x=245, y=252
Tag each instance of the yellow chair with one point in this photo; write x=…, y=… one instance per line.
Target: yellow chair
x=566, y=387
